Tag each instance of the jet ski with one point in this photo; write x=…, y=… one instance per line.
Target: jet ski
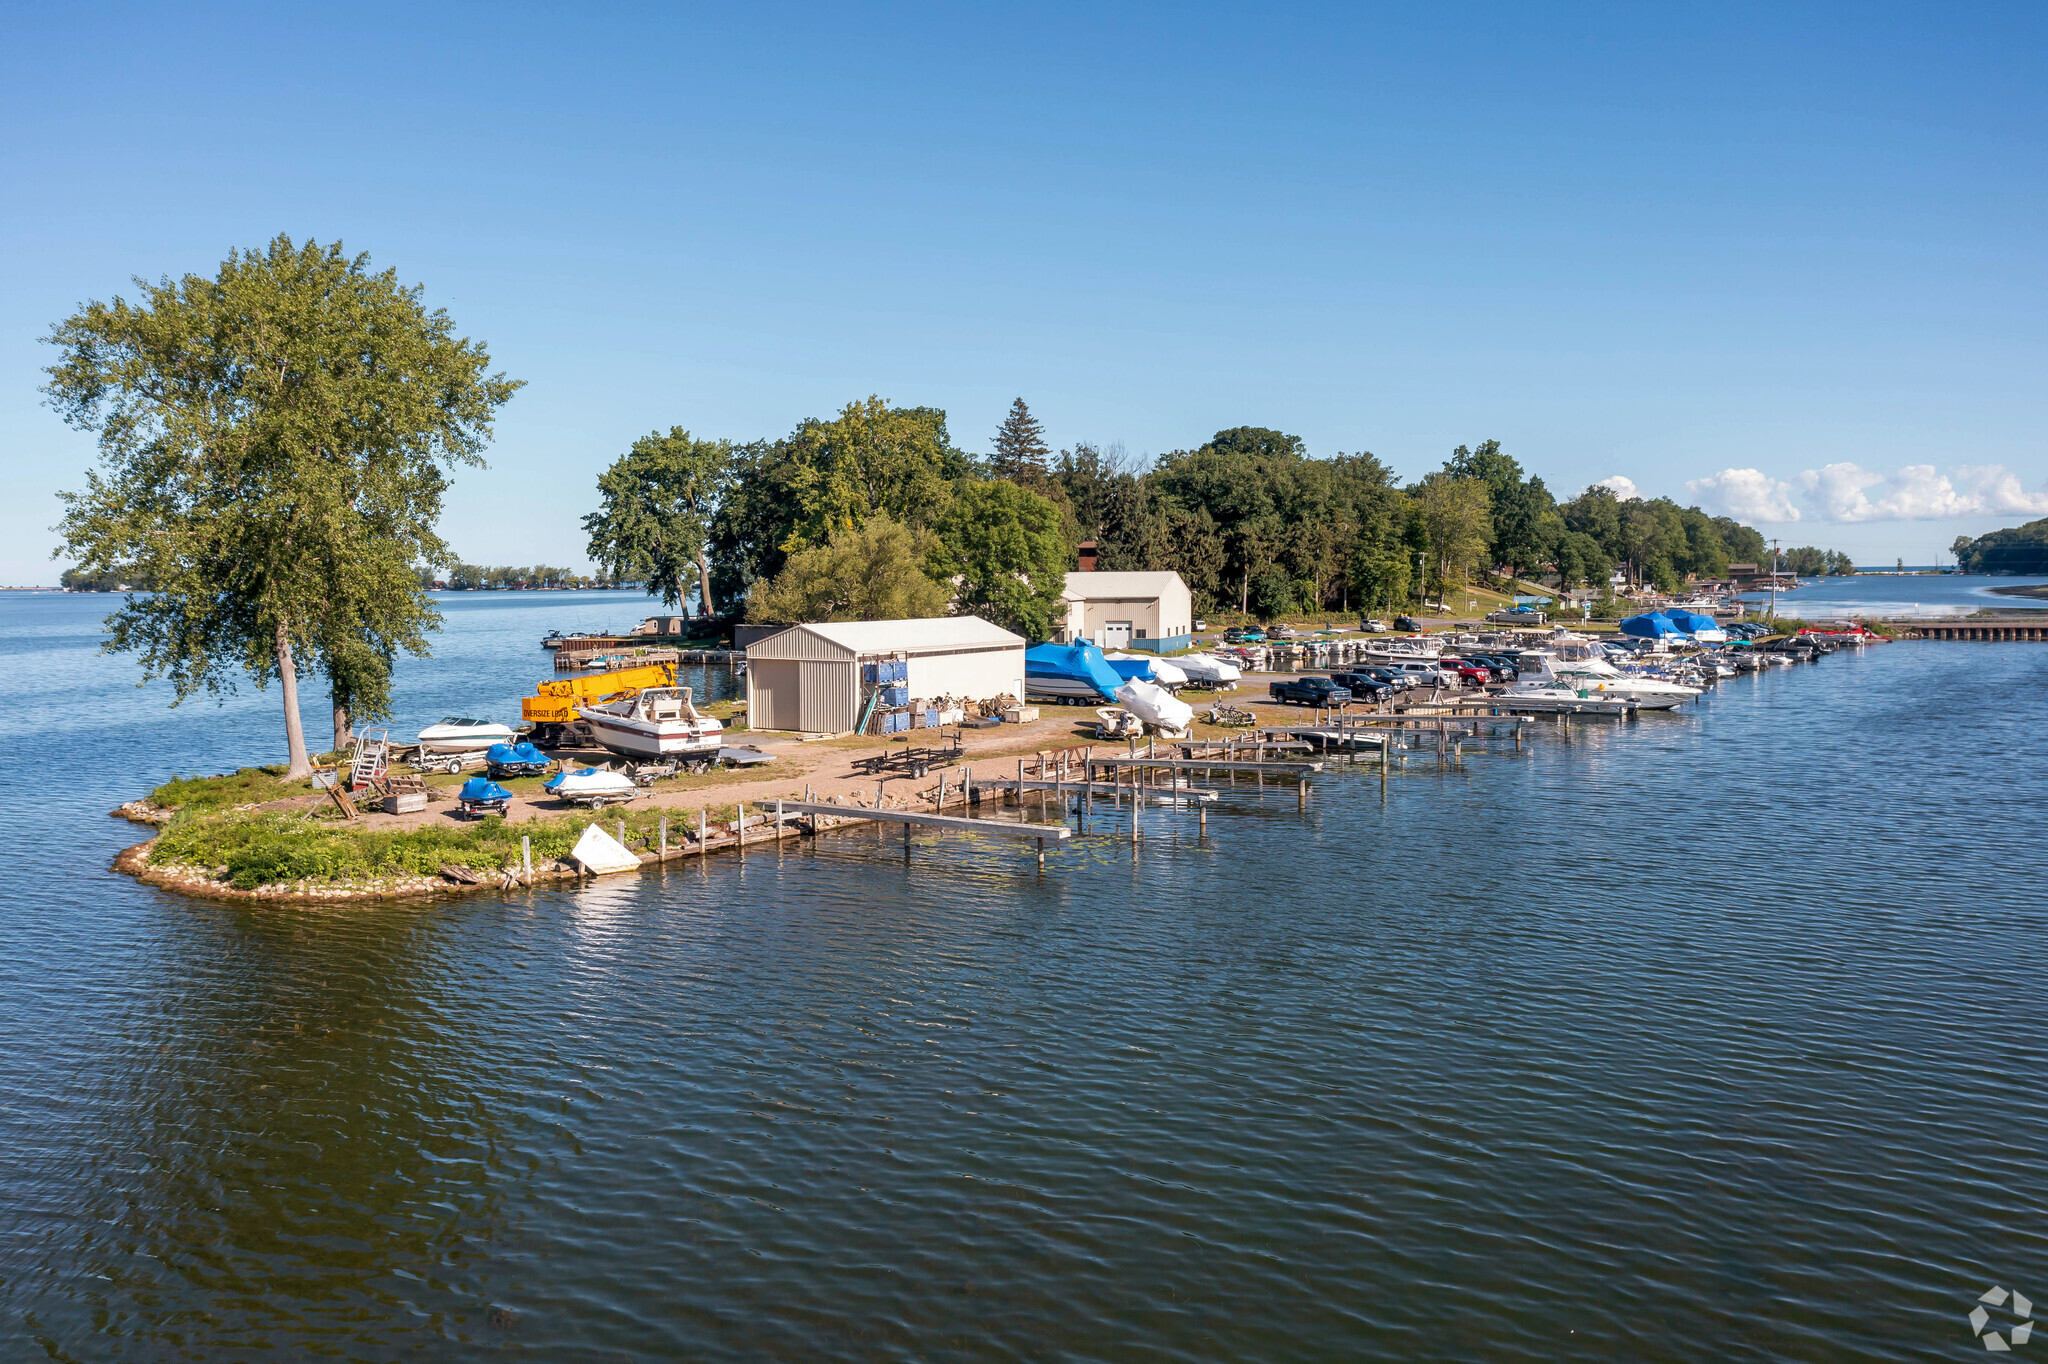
x=592, y=786
x=482, y=796
x=515, y=760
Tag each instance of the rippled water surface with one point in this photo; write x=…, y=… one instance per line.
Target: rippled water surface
x=1714, y=1035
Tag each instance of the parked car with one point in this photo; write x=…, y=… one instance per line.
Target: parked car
x=1201, y=625
x=1465, y=670
x=1408, y=623
x=1373, y=626
x=1363, y=687
x=1311, y=691
x=1426, y=673
x=1398, y=681
x=1502, y=670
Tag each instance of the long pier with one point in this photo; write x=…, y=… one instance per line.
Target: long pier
x=1992, y=630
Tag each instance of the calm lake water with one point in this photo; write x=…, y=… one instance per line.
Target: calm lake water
x=1712, y=1036
x=1920, y=595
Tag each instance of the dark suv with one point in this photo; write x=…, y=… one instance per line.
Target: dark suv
x=1362, y=686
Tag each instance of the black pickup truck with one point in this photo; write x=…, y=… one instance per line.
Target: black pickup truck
x=1311, y=691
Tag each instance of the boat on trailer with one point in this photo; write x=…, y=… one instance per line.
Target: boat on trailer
x=659, y=723
x=460, y=734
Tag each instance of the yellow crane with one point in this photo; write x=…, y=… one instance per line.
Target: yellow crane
x=552, y=709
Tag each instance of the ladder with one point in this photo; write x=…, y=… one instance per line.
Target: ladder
x=372, y=757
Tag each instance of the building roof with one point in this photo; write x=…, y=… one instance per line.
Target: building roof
x=913, y=636
x=1084, y=586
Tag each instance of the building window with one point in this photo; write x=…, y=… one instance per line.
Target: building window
x=1141, y=634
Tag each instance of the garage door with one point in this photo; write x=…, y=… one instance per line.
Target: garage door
x=1116, y=634
x=775, y=694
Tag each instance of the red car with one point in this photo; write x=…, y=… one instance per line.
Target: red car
x=1476, y=674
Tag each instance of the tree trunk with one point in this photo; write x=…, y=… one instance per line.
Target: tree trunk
x=1244, y=594
x=344, y=728
x=704, y=583
x=299, y=765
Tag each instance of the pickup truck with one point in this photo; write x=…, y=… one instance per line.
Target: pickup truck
x=1311, y=691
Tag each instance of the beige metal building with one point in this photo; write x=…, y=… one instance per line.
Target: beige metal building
x=812, y=678
x=1129, y=611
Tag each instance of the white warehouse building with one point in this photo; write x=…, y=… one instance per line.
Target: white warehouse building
x=816, y=678
x=1129, y=611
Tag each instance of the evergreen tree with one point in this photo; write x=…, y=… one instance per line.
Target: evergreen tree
x=1021, y=452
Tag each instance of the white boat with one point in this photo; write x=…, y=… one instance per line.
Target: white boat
x=1166, y=672
x=1208, y=670
x=1588, y=673
x=1156, y=706
x=592, y=786
x=1551, y=699
x=658, y=722
x=460, y=734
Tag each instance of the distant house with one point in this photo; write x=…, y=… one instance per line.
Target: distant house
x=1151, y=611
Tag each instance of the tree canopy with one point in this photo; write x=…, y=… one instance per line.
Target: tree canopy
x=2017, y=549
x=273, y=443
x=874, y=571
x=655, y=524
x=1008, y=554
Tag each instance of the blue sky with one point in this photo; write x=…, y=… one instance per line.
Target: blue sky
x=1783, y=260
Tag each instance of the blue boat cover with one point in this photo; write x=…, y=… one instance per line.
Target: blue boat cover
x=1690, y=621
x=1073, y=663
x=483, y=788
x=1130, y=669
x=1653, y=625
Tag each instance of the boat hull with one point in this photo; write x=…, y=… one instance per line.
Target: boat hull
x=652, y=739
x=469, y=741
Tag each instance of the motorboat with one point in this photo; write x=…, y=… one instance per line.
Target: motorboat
x=1542, y=668
x=660, y=723
x=516, y=760
x=1166, y=672
x=1548, y=698
x=1113, y=722
x=462, y=734
x=592, y=786
x=1207, y=670
x=482, y=796
x=1070, y=673
x=1156, y=706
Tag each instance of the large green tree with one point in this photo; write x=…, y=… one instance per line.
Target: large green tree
x=874, y=571
x=274, y=443
x=1008, y=553
x=1021, y=453
x=659, y=501
x=1455, y=515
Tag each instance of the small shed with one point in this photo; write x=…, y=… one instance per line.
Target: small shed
x=1129, y=611
x=816, y=678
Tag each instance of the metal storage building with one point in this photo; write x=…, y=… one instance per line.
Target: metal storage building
x=809, y=677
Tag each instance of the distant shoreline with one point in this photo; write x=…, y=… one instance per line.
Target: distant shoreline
x=2023, y=590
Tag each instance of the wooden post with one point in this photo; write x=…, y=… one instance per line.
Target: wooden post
x=703, y=830
x=622, y=833
x=526, y=856
x=664, y=838
x=1020, y=783
x=1202, y=815
x=1301, y=795
x=778, y=820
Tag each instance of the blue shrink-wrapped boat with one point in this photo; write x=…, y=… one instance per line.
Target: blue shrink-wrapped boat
x=1069, y=672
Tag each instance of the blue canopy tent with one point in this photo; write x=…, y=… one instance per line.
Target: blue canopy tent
x=1070, y=672
x=1651, y=625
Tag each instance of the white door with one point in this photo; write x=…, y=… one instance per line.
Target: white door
x=1116, y=634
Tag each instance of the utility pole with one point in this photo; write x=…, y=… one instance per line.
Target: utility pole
x=1774, y=580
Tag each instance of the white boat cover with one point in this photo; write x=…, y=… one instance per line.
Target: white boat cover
x=1155, y=705
x=590, y=784
x=1165, y=671
x=1208, y=668
x=599, y=853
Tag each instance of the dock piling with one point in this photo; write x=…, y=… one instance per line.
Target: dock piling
x=526, y=856
x=664, y=838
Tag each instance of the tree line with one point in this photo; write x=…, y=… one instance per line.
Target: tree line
x=466, y=577
x=2016, y=549
x=844, y=516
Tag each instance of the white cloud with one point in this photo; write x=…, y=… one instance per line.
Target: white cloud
x=1623, y=486
x=1745, y=494
x=1916, y=492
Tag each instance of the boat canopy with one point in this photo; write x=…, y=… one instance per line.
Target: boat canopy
x=1651, y=625
x=1073, y=663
